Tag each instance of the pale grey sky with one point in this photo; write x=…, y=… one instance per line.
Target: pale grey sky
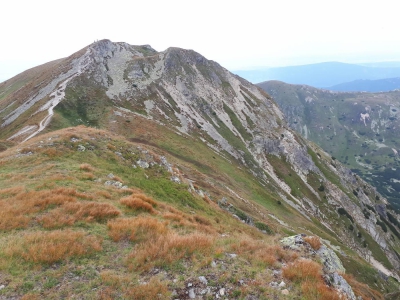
x=236, y=34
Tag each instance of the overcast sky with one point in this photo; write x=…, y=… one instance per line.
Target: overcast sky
x=236, y=34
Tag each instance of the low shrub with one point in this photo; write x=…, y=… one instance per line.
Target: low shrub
x=342, y=211
x=263, y=227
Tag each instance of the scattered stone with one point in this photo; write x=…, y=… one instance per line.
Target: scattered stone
x=74, y=140
x=116, y=184
x=276, y=273
x=232, y=255
x=293, y=242
x=134, y=166
x=190, y=284
x=81, y=148
x=222, y=291
x=203, y=280
x=285, y=292
x=2, y=286
x=118, y=153
x=282, y=284
x=175, y=179
x=241, y=282
x=111, y=175
x=143, y=164
x=192, y=294
x=213, y=264
x=274, y=284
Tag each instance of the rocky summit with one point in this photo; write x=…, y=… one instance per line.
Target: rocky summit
x=135, y=174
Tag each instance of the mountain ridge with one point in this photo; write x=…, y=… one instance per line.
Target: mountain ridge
x=231, y=133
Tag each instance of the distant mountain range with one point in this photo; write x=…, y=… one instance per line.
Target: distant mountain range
x=323, y=75
x=379, y=85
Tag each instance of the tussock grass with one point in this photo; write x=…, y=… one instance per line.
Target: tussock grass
x=120, y=284
x=15, y=209
x=86, y=167
x=318, y=290
x=314, y=242
x=302, y=269
x=70, y=213
x=260, y=252
x=139, y=202
x=361, y=289
x=154, y=289
x=166, y=249
x=51, y=247
x=136, y=229
x=308, y=274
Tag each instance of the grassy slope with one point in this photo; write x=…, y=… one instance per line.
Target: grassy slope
x=116, y=270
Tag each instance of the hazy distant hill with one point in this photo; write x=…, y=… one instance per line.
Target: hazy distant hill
x=380, y=85
x=320, y=75
x=359, y=129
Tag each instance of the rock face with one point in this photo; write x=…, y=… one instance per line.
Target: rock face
x=332, y=266
x=111, y=83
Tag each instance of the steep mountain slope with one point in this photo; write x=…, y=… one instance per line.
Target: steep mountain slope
x=359, y=129
x=321, y=75
x=379, y=85
x=228, y=137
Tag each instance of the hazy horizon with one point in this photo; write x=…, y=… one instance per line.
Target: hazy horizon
x=238, y=36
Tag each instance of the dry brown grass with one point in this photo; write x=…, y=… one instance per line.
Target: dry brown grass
x=152, y=290
x=202, y=220
x=69, y=213
x=318, y=290
x=15, y=209
x=137, y=204
x=140, y=202
x=52, y=152
x=92, y=210
x=136, y=229
x=50, y=247
x=169, y=248
x=314, y=242
x=302, y=270
x=87, y=176
x=104, y=194
x=56, y=219
x=361, y=289
x=173, y=217
x=30, y=296
x=86, y=167
x=259, y=251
